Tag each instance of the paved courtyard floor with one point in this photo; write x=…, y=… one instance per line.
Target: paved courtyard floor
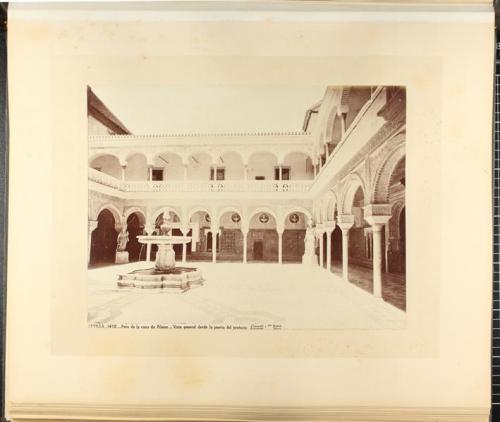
x=290, y=296
x=393, y=285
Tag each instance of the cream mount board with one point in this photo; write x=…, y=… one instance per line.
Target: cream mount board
x=411, y=83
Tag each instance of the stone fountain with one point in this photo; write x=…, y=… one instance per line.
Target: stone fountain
x=165, y=274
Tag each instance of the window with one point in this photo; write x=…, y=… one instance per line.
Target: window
x=157, y=174
x=219, y=172
x=260, y=178
x=285, y=173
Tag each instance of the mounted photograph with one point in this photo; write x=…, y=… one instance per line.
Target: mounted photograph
x=247, y=207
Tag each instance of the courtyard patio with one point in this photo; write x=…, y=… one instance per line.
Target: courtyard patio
x=288, y=296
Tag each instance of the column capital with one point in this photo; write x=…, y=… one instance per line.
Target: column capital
x=329, y=226
x=342, y=109
x=377, y=214
x=345, y=221
x=149, y=228
x=320, y=229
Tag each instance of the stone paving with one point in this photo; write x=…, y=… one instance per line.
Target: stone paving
x=393, y=285
x=291, y=296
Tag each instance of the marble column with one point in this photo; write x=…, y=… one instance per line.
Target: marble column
x=377, y=215
x=123, y=171
x=377, y=259
x=150, y=173
x=92, y=226
x=149, y=230
x=345, y=222
x=320, y=237
x=246, y=172
x=245, y=248
x=214, y=245
x=184, y=231
x=329, y=231
x=280, y=247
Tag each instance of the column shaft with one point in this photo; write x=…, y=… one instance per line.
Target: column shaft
x=280, y=248
x=345, y=254
x=377, y=260
x=92, y=226
x=148, y=252
x=321, y=250
x=245, y=248
x=329, y=251
x=214, y=247
x=184, y=251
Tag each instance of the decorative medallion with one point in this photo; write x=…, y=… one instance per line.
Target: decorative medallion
x=236, y=218
x=294, y=218
x=263, y=218
x=207, y=218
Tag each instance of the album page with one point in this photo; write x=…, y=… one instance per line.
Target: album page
x=219, y=209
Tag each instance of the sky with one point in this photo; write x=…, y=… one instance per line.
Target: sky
x=209, y=109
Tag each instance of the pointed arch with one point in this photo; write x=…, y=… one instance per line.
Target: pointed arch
x=353, y=182
x=134, y=210
x=331, y=206
x=384, y=172
x=196, y=209
x=161, y=210
x=265, y=209
x=117, y=214
x=226, y=209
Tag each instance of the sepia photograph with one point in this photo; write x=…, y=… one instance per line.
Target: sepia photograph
x=224, y=227
x=240, y=207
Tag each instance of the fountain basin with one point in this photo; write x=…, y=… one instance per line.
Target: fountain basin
x=165, y=274
x=164, y=240
x=183, y=278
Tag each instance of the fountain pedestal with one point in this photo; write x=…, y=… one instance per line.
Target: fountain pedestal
x=165, y=257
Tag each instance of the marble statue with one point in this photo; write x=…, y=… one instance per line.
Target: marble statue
x=122, y=240
x=309, y=257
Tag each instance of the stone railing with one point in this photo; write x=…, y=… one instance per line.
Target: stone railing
x=196, y=139
x=294, y=186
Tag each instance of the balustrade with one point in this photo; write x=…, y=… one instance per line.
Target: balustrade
x=200, y=185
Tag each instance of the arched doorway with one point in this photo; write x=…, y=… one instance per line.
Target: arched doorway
x=336, y=250
x=396, y=229
x=230, y=237
x=262, y=242
x=293, y=236
x=135, y=227
x=103, y=240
